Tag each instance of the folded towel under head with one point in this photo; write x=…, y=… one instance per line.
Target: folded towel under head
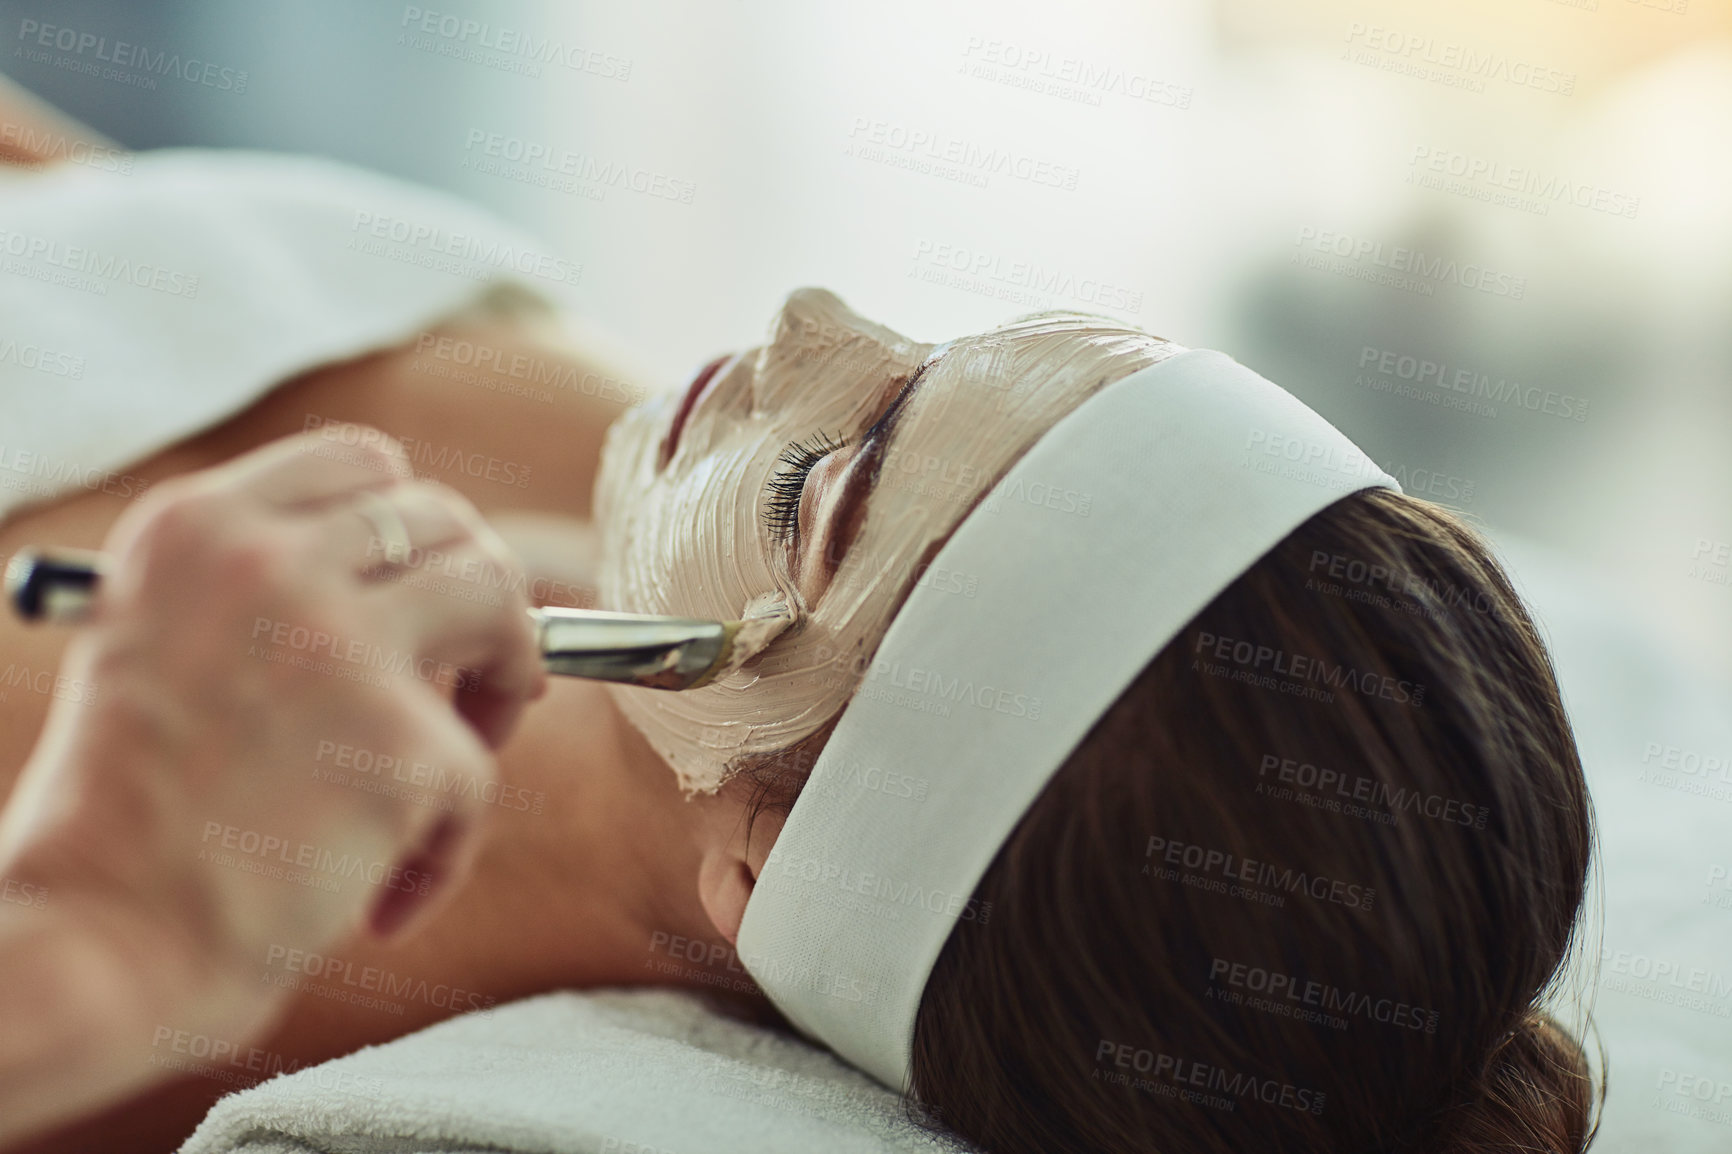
x=604, y=1072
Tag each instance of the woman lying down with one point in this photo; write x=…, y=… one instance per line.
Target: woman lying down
x=1141, y=770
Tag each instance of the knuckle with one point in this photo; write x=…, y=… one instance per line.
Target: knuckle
x=179, y=519
x=486, y=541
x=362, y=446
x=453, y=504
x=382, y=459
x=440, y=492
x=249, y=562
x=233, y=556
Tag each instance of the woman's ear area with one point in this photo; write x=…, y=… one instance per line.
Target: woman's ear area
x=729, y=869
x=746, y=817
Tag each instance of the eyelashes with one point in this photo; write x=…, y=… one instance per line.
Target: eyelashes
x=781, y=513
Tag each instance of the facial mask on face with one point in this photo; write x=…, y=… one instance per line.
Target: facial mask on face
x=689, y=538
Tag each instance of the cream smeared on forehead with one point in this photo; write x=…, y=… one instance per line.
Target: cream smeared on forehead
x=689, y=539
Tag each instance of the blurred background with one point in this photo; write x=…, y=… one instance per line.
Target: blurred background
x=1489, y=239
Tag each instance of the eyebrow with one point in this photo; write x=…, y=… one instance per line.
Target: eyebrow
x=874, y=443
x=876, y=440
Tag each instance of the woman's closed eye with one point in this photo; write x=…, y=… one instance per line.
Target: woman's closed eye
x=787, y=513
x=816, y=501
x=786, y=486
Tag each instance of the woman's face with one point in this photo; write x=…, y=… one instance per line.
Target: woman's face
x=826, y=466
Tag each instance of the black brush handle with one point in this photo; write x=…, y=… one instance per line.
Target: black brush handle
x=53, y=585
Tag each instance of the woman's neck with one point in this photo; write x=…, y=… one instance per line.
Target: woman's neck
x=594, y=883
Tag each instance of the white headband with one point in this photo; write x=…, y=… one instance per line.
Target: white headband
x=1117, y=527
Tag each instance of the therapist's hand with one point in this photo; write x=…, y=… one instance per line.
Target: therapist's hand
x=258, y=710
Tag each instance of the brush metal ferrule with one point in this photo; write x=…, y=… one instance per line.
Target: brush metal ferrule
x=633, y=648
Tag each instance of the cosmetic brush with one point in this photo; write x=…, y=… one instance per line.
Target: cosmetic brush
x=57, y=586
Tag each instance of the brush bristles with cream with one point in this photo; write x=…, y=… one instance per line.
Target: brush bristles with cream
x=766, y=617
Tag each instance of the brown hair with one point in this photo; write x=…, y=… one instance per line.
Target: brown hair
x=1302, y=887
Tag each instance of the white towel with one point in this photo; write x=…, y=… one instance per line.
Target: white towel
x=139, y=308
x=603, y=1072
